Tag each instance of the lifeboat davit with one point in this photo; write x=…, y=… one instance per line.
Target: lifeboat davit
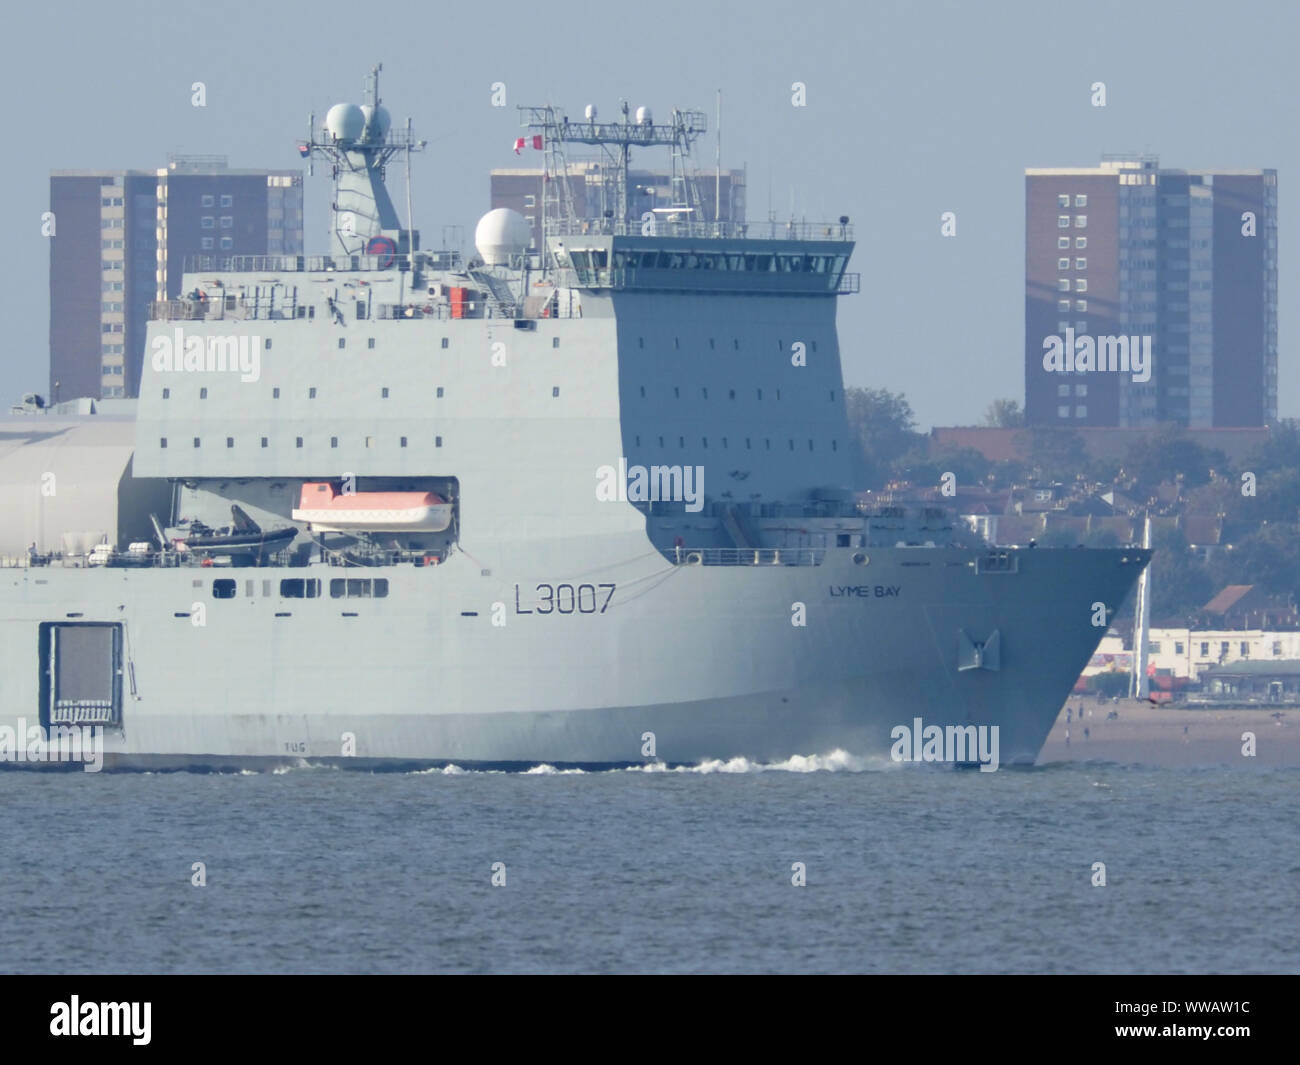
x=326, y=509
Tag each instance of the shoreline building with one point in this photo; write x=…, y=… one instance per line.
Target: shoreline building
x=1185, y=257
x=121, y=239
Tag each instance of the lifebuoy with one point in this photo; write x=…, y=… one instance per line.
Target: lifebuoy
x=384, y=248
x=206, y=562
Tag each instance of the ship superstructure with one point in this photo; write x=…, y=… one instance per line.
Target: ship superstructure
x=585, y=503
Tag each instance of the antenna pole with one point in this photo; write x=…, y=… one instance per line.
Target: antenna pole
x=717, y=183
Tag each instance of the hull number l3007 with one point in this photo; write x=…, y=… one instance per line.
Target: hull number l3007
x=568, y=599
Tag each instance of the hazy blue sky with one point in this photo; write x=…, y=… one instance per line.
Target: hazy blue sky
x=912, y=110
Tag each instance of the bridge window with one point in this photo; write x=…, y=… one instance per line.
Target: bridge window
x=275, y=393
x=383, y=393
x=446, y=342
x=298, y=441
x=223, y=589
x=334, y=441
x=230, y=441
x=311, y=393
x=437, y=441
x=439, y=392
x=370, y=343
x=298, y=588
x=343, y=342
x=203, y=393
x=162, y=441
x=196, y=441
x=167, y=393
x=403, y=444
x=264, y=441
x=358, y=588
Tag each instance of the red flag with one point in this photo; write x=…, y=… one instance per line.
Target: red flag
x=537, y=141
x=519, y=145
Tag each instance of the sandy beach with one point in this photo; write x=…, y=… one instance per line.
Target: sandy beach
x=1152, y=735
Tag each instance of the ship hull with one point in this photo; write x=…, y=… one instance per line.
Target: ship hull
x=658, y=662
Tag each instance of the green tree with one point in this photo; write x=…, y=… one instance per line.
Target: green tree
x=884, y=428
x=1180, y=584
x=1004, y=414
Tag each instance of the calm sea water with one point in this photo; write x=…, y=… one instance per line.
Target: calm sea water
x=908, y=870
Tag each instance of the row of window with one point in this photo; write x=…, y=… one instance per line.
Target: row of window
x=110, y=201
x=1064, y=390
x=1063, y=284
x=1079, y=305
x=749, y=445
x=735, y=344
x=1064, y=264
x=1244, y=647
x=1080, y=221
x=1062, y=243
x=1064, y=412
x=598, y=259
x=1063, y=200
x=209, y=222
x=704, y=393
x=309, y=588
x=298, y=441
x=207, y=201
x=227, y=243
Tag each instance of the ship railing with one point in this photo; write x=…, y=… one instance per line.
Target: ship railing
x=300, y=264
x=220, y=308
x=746, y=556
x=720, y=230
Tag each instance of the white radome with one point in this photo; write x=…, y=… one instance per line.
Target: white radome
x=383, y=121
x=345, y=122
x=500, y=235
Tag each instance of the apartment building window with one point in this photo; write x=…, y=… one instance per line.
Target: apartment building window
x=227, y=243
x=1063, y=221
x=530, y=200
x=1062, y=412
x=226, y=201
x=1245, y=649
x=1081, y=412
x=1080, y=242
x=206, y=201
x=1081, y=264
x=206, y=243
x=1062, y=305
x=1063, y=200
x=1178, y=647
x=1063, y=284
x=1063, y=264
x=1081, y=221
x=1081, y=306
x=208, y=222
x=1062, y=243
x=1081, y=201
x=1277, y=647
x=1205, y=650
x=227, y=222
x=1081, y=285
x=1080, y=390
x=1062, y=390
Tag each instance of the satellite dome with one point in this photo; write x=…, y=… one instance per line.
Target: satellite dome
x=643, y=116
x=344, y=122
x=381, y=123
x=500, y=234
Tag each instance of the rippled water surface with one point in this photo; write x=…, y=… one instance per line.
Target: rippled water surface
x=908, y=870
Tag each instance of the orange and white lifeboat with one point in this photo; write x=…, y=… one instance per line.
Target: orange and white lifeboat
x=326, y=509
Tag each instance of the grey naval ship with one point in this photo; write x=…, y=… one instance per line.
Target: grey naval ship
x=583, y=503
